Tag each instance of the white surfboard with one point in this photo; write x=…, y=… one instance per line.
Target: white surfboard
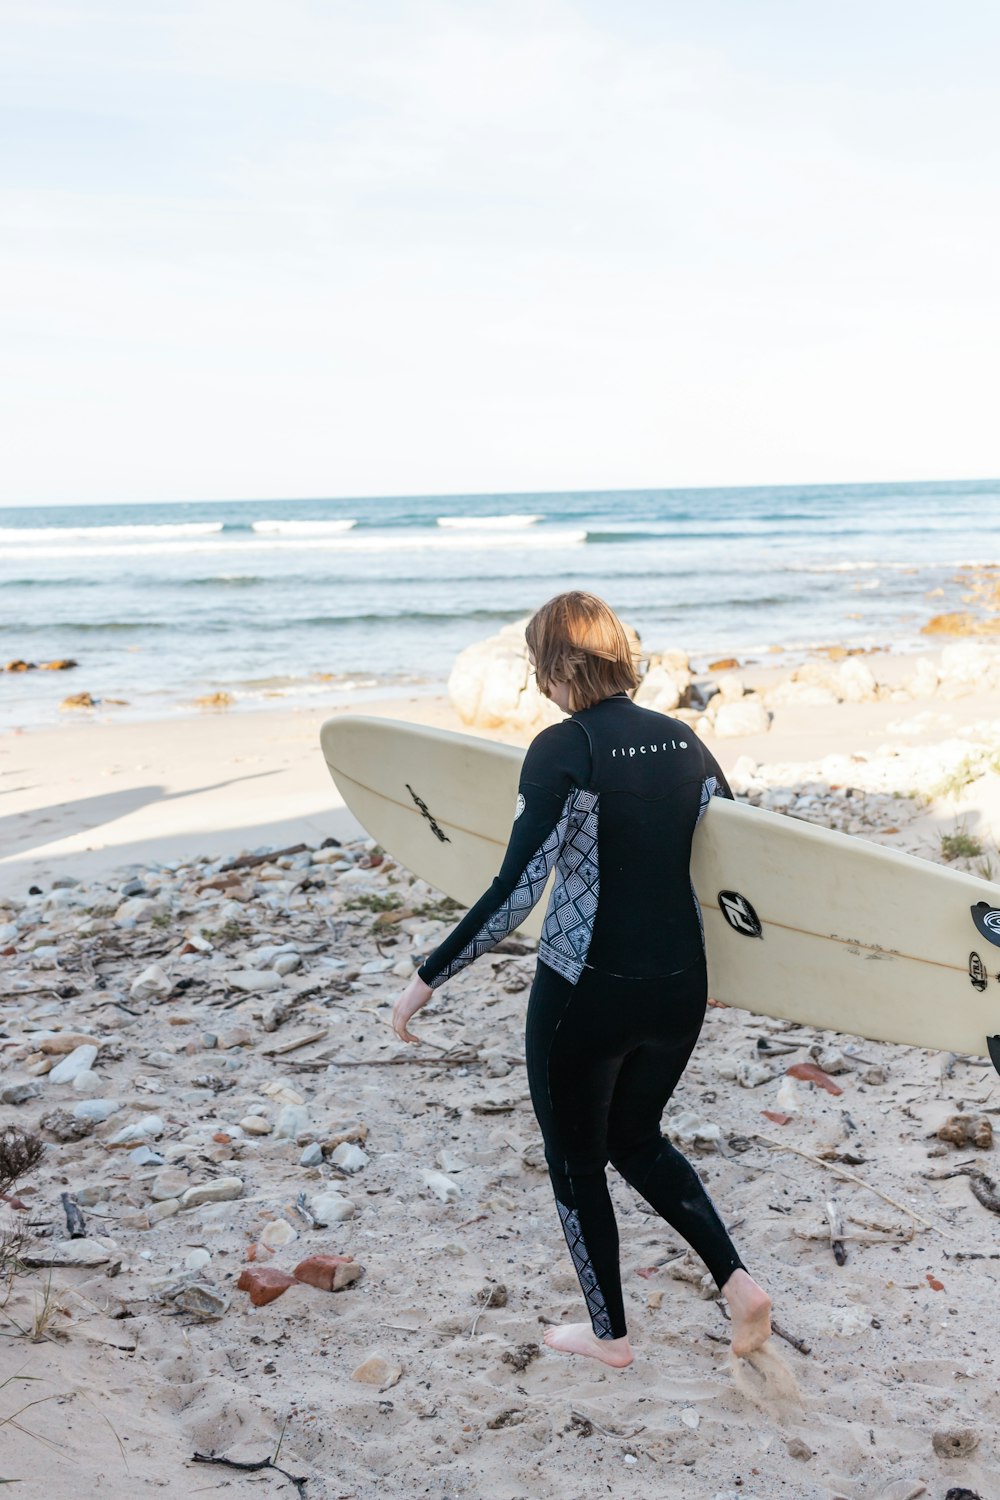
x=800, y=922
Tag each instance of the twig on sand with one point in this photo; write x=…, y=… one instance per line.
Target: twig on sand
x=840, y=1171
x=254, y=1468
x=776, y=1329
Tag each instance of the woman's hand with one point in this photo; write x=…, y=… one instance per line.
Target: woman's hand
x=413, y=997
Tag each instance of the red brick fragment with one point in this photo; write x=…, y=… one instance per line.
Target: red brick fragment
x=264, y=1283
x=329, y=1273
x=814, y=1074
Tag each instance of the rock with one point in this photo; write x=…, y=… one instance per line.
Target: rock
x=746, y=717
x=956, y=1443
x=328, y=1273
x=264, y=1283
x=331, y=1208
x=142, y=1156
x=222, y=1190
x=732, y=688
x=197, y=1260
x=282, y=1093
x=256, y=1125
x=855, y=681
x=923, y=680
x=253, y=980
x=660, y=690
x=97, y=1110
x=492, y=685
x=151, y=984
x=67, y=1041
x=287, y=963
x=691, y=1130
x=349, y=1156
x=20, y=1093
x=787, y=1099
x=201, y=1300
x=79, y=1061
x=64, y=1126
x=82, y=1252
x=293, y=1121
x=750, y=1074
x=968, y=663
x=278, y=1233
x=138, y=909
x=87, y=1082
x=172, y=1183
x=312, y=1156
x=443, y=1188
x=150, y=1127
x=830, y=1059
x=875, y=1074
x=798, y=1449
x=376, y=1370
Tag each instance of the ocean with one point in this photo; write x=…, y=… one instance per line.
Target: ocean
x=291, y=602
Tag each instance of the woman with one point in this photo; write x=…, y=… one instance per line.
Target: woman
x=611, y=797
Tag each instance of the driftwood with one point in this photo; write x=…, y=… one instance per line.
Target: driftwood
x=859, y=1181
x=253, y=1468
x=836, y=1234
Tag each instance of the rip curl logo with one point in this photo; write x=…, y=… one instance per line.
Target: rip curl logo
x=425, y=812
x=518, y=806
x=628, y=751
x=987, y=920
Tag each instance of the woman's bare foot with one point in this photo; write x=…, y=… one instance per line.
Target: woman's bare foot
x=580, y=1338
x=749, y=1312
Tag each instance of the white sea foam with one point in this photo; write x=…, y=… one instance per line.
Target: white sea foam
x=345, y=543
x=303, y=528
x=486, y=523
x=18, y=535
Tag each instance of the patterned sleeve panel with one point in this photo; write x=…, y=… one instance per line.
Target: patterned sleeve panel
x=557, y=762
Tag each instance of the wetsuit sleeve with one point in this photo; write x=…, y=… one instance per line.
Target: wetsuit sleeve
x=557, y=762
x=714, y=783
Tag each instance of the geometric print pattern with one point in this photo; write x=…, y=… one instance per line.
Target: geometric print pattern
x=710, y=787
x=569, y=921
x=518, y=904
x=599, y=1317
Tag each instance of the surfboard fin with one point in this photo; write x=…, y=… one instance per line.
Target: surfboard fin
x=993, y=1043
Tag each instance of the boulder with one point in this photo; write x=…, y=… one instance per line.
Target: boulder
x=745, y=716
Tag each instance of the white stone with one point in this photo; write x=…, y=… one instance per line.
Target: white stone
x=443, y=1188
x=197, y=1260
x=78, y=1061
x=287, y=963
x=96, y=1109
x=349, y=1156
x=151, y=984
x=331, y=1208
x=222, y=1190
x=787, y=1098
x=293, y=1120
x=690, y=1129
x=856, y=681
x=659, y=690
x=278, y=1233
x=88, y=1082
x=748, y=716
x=150, y=1127
x=138, y=909
x=251, y=980
x=256, y=1125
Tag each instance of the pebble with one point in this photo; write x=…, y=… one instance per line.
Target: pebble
x=787, y=1098
x=293, y=1121
x=20, y=1093
x=798, y=1449
x=278, y=1233
x=97, y=1110
x=377, y=1370
x=201, y=1300
x=256, y=1125
x=87, y=1082
x=349, y=1156
x=171, y=1183
x=287, y=963
x=151, y=984
x=150, y=1127
x=82, y=1252
x=331, y=1208
x=197, y=1260
x=312, y=1156
x=137, y=909
x=222, y=1190
x=142, y=1156
x=443, y=1188
x=253, y=980
x=77, y=1062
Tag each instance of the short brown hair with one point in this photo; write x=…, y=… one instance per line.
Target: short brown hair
x=578, y=639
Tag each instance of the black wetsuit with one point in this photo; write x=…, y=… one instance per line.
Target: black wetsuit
x=610, y=797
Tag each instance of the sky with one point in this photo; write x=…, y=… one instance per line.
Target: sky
x=289, y=248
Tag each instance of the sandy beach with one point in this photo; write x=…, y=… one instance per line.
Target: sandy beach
x=238, y=1103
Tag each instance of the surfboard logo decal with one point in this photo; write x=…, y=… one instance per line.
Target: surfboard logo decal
x=977, y=972
x=740, y=914
x=425, y=812
x=987, y=920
